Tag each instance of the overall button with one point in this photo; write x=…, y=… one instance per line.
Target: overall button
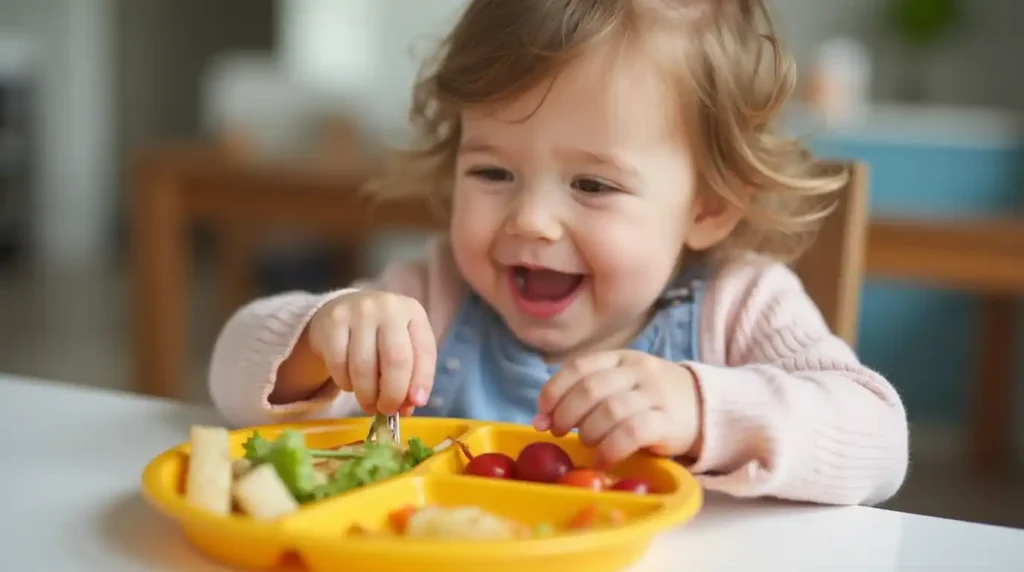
x=436, y=401
x=452, y=364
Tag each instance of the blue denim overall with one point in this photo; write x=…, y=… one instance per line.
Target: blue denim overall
x=485, y=373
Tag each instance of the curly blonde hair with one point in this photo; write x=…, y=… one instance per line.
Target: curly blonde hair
x=721, y=57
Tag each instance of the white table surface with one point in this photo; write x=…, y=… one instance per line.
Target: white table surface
x=72, y=458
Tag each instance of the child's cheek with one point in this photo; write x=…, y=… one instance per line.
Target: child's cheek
x=628, y=278
x=472, y=237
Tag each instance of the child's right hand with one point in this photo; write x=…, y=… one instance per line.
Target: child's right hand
x=378, y=345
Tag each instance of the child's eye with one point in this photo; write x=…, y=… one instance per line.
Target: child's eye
x=491, y=174
x=592, y=186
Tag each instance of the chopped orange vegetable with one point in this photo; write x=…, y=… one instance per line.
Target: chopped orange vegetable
x=616, y=516
x=592, y=515
x=399, y=519
x=585, y=518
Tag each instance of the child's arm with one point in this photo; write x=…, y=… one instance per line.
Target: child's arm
x=248, y=355
x=789, y=411
x=263, y=370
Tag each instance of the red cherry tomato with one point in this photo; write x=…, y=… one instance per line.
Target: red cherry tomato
x=493, y=465
x=584, y=478
x=632, y=486
x=542, y=463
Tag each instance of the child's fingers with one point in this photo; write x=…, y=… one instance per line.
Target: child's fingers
x=362, y=365
x=566, y=377
x=395, y=353
x=599, y=421
x=631, y=435
x=586, y=395
x=424, y=349
x=335, y=356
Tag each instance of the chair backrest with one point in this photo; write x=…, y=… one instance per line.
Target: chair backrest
x=833, y=269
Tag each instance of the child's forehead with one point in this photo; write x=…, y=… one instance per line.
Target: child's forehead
x=606, y=94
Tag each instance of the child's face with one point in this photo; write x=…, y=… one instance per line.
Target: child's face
x=571, y=221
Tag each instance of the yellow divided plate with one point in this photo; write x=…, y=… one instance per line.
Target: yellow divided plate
x=318, y=534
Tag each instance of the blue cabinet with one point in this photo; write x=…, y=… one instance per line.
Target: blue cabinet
x=937, y=163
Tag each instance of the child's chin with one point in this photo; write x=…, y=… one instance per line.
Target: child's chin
x=549, y=342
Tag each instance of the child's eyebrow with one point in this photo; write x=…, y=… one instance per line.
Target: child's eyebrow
x=476, y=146
x=471, y=145
x=606, y=159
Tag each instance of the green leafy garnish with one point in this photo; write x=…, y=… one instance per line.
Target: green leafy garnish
x=379, y=462
x=417, y=452
x=364, y=464
x=290, y=458
x=543, y=530
x=257, y=448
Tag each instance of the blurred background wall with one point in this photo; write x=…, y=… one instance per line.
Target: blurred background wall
x=111, y=75
x=975, y=68
x=107, y=76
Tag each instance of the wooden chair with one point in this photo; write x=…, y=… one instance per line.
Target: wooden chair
x=833, y=269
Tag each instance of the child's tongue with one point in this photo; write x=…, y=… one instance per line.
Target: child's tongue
x=540, y=284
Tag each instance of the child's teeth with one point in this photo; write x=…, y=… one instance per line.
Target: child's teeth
x=520, y=276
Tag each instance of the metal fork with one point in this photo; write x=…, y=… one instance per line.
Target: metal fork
x=383, y=423
x=396, y=432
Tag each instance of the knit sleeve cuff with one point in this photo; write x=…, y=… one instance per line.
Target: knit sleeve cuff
x=729, y=428
x=281, y=343
x=249, y=352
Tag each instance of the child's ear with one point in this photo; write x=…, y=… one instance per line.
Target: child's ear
x=714, y=219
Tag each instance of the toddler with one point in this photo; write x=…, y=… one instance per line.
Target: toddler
x=620, y=218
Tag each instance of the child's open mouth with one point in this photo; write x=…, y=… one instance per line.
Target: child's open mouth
x=543, y=293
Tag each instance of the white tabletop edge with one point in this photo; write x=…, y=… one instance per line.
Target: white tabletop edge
x=103, y=524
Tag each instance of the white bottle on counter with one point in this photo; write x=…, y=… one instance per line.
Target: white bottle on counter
x=840, y=82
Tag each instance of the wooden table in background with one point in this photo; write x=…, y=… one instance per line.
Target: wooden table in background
x=984, y=258
x=177, y=188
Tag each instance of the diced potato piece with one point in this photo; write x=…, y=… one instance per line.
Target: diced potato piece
x=240, y=467
x=208, y=483
x=466, y=523
x=262, y=495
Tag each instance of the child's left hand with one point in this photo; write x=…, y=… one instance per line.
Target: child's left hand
x=621, y=402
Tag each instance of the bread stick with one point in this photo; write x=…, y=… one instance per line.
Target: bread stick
x=208, y=483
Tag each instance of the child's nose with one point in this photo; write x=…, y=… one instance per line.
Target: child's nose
x=533, y=217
